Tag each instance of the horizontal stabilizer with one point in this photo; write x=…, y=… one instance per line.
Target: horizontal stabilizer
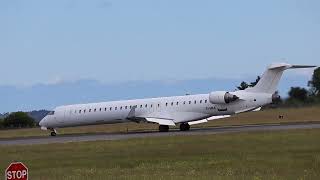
x=301, y=66
x=168, y=122
x=288, y=66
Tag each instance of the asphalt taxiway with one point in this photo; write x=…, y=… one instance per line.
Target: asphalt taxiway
x=143, y=134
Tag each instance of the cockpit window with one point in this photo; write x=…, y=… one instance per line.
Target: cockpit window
x=51, y=113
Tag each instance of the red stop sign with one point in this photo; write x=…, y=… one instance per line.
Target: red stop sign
x=16, y=171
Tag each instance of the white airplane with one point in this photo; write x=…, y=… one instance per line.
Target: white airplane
x=170, y=111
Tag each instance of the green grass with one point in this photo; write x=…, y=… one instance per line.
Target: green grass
x=291, y=115
x=293, y=154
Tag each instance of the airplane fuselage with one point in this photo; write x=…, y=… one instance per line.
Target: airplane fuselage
x=180, y=108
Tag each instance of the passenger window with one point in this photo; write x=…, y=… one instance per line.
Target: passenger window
x=189, y=102
x=130, y=107
x=126, y=107
x=166, y=104
x=206, y=101
x=172, y=104
x=158, y=105
x=115, y=108
x=84, y=111
x=105, y=109
x=89, y=110
x=177, y=103
x=100, y=109
x=146, y=105
x=110, y=108
x=79, y=111
x=121, y=108
x=184, y=102
x=151, y=105
x=200, y=101
x=140, y=106
x=195, y=102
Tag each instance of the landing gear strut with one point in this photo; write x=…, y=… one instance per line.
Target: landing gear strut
x=184, y=127
x=163, y=128
x=53, y=132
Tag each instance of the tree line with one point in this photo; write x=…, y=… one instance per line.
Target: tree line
x=17, y=120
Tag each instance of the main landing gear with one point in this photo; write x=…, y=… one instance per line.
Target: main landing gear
x=163, y=128
x=184, y=127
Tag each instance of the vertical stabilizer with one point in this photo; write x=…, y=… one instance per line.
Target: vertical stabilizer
x=270, y=79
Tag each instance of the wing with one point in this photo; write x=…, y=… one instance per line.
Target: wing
x=160, y=118
x=208, y=119
x=160, y=121
x=198, y=122
x=218, y=117
x=170, y=118
x=255, y=109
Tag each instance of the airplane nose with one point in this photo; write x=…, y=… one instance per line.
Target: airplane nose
x=42, y=122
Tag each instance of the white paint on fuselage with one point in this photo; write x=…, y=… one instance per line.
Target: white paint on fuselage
x=179, y=108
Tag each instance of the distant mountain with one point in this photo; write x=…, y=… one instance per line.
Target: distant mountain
x=84, y=91
x=1, y=116
x=38, y=115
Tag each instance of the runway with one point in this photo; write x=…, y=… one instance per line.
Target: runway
x=143, y=134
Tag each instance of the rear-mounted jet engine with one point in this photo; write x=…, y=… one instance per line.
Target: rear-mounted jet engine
x=222, y=97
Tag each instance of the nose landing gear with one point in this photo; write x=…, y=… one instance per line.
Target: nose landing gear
x=53, y=132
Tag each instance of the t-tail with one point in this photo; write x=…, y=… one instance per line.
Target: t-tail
x=270, y=79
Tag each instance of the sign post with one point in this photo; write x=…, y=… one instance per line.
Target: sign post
x=16, y=171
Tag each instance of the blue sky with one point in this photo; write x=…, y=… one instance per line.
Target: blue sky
x=113, y=42
x=118, y=41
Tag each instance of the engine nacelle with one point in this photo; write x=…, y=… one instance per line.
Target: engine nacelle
x=222, y=97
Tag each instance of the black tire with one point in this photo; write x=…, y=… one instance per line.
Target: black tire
x=184, y=127
x=53, y=134
x=188, y=127
x=163, y=128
